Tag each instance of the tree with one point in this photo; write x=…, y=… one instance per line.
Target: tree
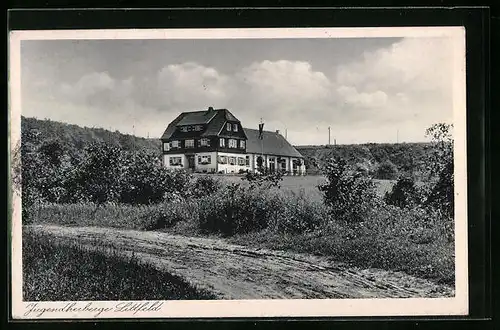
x=97, y=178
x=404, y=193
x=349, y=194
x=441, y=195
x=387, y=170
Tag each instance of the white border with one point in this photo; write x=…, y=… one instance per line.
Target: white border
x=264, y=308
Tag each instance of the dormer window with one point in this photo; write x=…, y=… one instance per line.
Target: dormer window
x=197, y=128
x=235, y=127
x=174, y=144
x=228, y=127
x=184, y=129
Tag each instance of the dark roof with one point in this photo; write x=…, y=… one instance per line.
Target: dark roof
x=273, y=144
x=214, y=119
x=197, y=117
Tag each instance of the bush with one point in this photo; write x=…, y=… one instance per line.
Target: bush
x=299, y=213
x=387, y=171
x=167, y=215
x=263, y=179
x=404, y=193
x=236, y=209
x=349, y=194
x=204, y=185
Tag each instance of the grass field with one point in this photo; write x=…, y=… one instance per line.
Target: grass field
x=58, y=271
x=309, y=183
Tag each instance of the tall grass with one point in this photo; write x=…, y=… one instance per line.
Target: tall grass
x=63, y=271
x=412, y=240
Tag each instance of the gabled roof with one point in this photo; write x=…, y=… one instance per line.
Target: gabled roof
x=214, y=119
x=197, y=117
x=272, y=144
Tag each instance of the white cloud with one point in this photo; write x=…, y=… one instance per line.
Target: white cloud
x=191, y=85
x=405, y=85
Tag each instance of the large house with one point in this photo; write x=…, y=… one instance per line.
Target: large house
x=214, y=141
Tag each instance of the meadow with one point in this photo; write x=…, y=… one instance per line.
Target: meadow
x=65, y=271
x=347, y=214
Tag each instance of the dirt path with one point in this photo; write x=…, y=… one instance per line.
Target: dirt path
x=236, y=272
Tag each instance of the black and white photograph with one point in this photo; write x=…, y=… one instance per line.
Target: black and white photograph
x=238, y=172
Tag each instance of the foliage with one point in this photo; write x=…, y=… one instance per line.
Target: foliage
x=349, y=194
x=66, y=271
x=406, y=157
x=264, y=179
x=237, y=209
x=204, y=185
x=441, y=196
x=404, y=193
x=386, y=170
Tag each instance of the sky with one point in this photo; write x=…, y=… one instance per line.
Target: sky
x=365, y=89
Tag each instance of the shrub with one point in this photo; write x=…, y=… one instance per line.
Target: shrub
x=386, y=170
x=299, y=213
x=236, y=209
x=204, y=185
x=167, y=215
x=404, y=193
x=349, y=194
x=264, y=179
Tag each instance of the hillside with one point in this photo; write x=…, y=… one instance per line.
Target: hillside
x=403, y=157
x=74, y=138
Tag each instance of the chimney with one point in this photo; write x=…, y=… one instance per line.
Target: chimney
x=277, y=131
x=210, y=109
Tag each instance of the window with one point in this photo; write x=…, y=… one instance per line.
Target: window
x=222, y=142
x=184, y=129
x=197, y=128
x=204, y=142
x=232, y=160
x=242, y=144
x=173, y=161
x=233, y=143
x=228, y=127
x=189, y=143
x=235, y=127
x=204, y=160
x=247, y=161
x=241, y=161
x=166, y=146
x=222, y=160
x=174, y=144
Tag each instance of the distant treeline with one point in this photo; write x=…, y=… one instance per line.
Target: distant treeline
x=384, y=161
x=75, y=138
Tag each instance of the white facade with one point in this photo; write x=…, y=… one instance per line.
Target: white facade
x=232, y=163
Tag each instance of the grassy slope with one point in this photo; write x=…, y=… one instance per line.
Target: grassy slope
x=66, y=271
x=74, y=138
x=405, y=156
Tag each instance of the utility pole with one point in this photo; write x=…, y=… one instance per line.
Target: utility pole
x=329, y=135
x=286, y=134
x=397, y=136
x=334, y=142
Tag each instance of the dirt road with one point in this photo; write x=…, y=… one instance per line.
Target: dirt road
x=236, y=272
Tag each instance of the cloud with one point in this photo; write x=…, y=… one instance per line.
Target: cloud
x=190, y=85
x=407, y=84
